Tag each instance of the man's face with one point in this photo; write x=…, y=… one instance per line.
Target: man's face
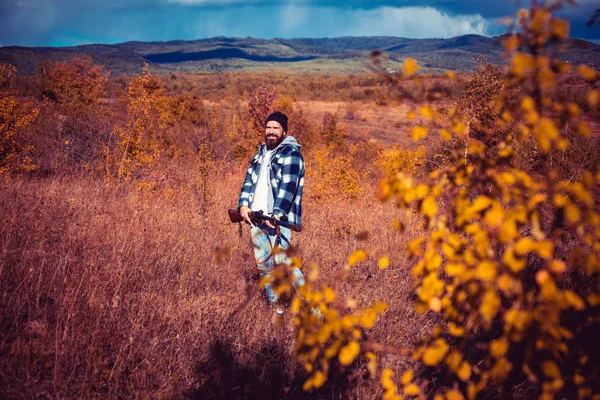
x=274, y=134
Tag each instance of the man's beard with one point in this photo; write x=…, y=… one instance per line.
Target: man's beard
x=273, y=141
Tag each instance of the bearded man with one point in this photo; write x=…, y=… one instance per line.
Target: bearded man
x=273, y=184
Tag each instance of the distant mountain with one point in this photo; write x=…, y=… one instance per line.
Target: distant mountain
x=341, y=55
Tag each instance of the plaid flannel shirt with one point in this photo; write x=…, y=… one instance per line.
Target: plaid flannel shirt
x=287, y=180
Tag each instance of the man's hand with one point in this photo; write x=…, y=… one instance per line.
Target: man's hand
x=269, y=224
x=245, y=213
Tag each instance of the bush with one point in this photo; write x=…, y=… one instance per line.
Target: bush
x=14, y=116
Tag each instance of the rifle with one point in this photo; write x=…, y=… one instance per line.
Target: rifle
x=257, y=216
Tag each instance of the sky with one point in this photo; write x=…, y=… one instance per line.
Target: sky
x=75, y=22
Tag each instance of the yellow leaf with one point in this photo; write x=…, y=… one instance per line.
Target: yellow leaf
x=532, y=117
x=450, y=74
x=329, y=295
x=522, y=63
x=367, y=319
x=574, y=300
x=486, y=270
x=584, y=129
x=558, y=266
x=550, y=369
x=456, y=330
x=384, y=262
x=454, y=269
x=427, y=112
x=527, y=103
x=489, y=306
x=453, y=360
x=429, y=206
x=516, y=264
x=511, y=43
x=445, y=135
x=410, y=67
x=593, y=98
x=435, y=354
x=578, y=379
x=372, y=364
x=407, y=377
x=546, y=132
x=315, y=381
x=560, y=28
x=480, y=203
x=524, y=246
x=499, y=347
x=572, y=213
x=435, y=304
x=460, y=129
x=386, y=380
x=544, y=249
x=399, y=226
x=494, y=216
x=508, y=231
x=412, y=390
x=593, y=300
x=422, y=191
x=501, y=369
x=380, y=307
x=587, y=73
x=539, y=19
x=296, y=305
x=414, y=246
x=454, y=394
x=384, y=190
x=357, y=256
x=464, y=371
x=419, y=133
x=348, y=353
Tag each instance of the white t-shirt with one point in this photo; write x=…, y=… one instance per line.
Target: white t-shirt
x=263, y=195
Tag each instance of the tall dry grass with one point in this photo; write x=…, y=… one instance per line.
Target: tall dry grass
x=110, y=290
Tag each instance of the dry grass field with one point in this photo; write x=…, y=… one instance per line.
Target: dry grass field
x=111, y=292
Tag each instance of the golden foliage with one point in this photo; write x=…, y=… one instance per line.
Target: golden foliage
x=327, y=333
x=74, y=82
x=333, y=177
x=14, y=116
x=138, y=145
x=474, y=267
x=394, y=160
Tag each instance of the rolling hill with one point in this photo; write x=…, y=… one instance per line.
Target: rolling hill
x=341, y=55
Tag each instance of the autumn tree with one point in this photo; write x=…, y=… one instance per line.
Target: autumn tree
x=331, y=132
x=512, y=270
x=73, y=83
x=137, y=146
x=14, y=116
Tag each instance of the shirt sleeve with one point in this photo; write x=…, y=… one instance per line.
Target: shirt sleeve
x=244, y=199
x=292, y=171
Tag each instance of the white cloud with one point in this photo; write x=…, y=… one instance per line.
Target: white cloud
x=416, y=22
x=412, y=22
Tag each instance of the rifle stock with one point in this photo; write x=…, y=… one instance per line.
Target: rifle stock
x=236, y=216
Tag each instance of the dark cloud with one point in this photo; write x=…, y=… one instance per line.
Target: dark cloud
x=69, y=22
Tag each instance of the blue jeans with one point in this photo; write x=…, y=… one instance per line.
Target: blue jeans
x=264, y=241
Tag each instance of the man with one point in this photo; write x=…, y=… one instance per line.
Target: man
x=273, y=184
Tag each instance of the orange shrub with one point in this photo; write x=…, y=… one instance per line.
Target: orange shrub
x=74, y=82
x=14, y=116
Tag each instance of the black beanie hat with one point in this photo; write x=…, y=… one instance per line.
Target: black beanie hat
x=278, y=117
